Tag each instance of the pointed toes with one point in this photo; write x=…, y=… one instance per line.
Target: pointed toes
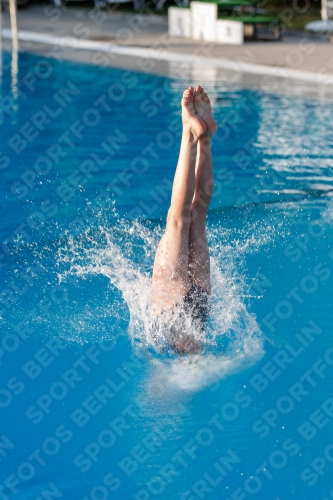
x=187, y=95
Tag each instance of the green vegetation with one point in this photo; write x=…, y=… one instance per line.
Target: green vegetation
x=294, y=14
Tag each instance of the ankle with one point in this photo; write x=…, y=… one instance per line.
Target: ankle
x=205, y=139
x=188, y=135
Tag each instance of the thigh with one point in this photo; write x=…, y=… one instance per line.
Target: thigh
x=171, y=280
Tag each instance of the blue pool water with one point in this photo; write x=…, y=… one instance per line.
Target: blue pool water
x=89, y=408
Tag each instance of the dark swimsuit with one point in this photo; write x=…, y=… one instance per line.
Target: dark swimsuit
x=170, y=325
x=196, y=303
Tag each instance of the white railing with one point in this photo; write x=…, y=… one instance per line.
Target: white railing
x=13, y=24
x=15, y=46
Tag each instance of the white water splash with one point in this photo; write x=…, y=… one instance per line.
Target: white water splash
x=124, y=254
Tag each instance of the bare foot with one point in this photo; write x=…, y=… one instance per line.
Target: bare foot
x=203, y=109
x=190, y=119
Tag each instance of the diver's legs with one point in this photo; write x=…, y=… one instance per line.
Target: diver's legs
x=171, y=278
x=199, y=263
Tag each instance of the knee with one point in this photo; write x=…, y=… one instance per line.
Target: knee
x=199, y=209
x=179, y=220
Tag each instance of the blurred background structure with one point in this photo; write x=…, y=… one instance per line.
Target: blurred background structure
x=292, y=14
x=223, y=21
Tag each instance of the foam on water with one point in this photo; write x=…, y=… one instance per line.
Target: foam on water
x=124, y=252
